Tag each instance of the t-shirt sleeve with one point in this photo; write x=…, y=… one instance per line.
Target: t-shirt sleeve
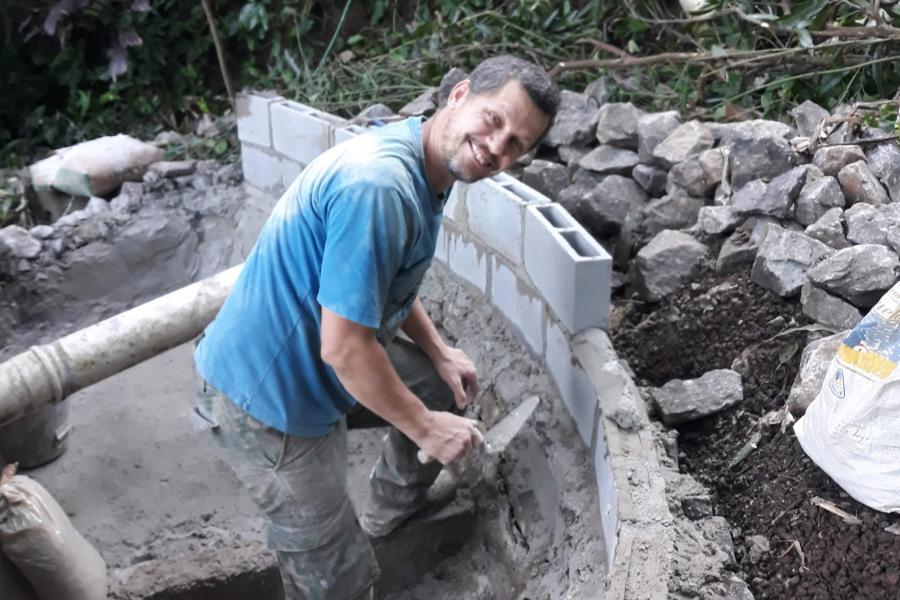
x=366, y=228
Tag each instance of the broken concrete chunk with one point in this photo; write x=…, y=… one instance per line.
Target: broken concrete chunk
x=759, y=158
x=170, y=169
x=652, y=129
x=680, y=400
x=19, y=243
x=817, y=197
x=575, y=123
x=829, y=229
x=96, y=205
x=860, y=274
x=807, y=117
x=684, y=142
x=41, y=232
x=650, y=178
x=671, y=212
x=834, y=158
x=859, y=184
x=617, y=124
x=783, y=259
x=129, y=198
x=666, y=263
x=99, y=167
x=826, y=309
x=608, y=160
x=813, y=367
x=547, y=177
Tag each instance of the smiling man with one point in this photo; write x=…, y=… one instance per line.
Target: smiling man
x=304, y=346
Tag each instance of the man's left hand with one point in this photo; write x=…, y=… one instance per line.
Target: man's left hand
x=458, y=371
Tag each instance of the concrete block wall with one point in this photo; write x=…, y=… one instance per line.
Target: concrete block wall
x=548, y=277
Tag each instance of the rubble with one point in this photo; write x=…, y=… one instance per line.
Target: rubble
x=679, y=400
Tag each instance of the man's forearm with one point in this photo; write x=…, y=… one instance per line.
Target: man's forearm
x=420, y=329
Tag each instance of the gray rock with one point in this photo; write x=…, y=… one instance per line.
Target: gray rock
x=813, y=367
x=754, y=129
x=826, y=309
x=423, y=104
x=893, y=237
x=598, y=90
x=605, y=208
x=679, y=400
x=832, y=159
x=829, y=229
x=666, y=262
x=750, y=199
x=783, y=190
x=19, y=243
x=697, y=506
x=689, y=178
x=41, y=232
x=757, y=545
x=448, y=81
x=759, y=158
x=671, y=212
x=96, y=205
x=584, y=182
x=653, y=128
x=817, y=197
x=547, y=177
x=859, y=184
x=575, y=123
x=860, y=274
x=739, y=250
x=867, y=224
x=129, y=198
x=807, y=117
x=650, y=178
x=884, y=160
x=783, y=259
x=684, y=142
x=716, y=220
x=373, y=112
x=608, y=160
x=170, y=169
x=617, y=124
x=713, y=164
x=572, y=155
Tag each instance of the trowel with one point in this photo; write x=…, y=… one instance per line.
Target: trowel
x=496, y=439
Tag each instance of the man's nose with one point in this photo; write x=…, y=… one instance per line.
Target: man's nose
x=495, y=144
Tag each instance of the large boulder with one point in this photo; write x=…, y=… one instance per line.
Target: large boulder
x=813, y=367
x=860, y=274
x=783, y=259
x=617, y=124
x=666, y=262
x=680, y=400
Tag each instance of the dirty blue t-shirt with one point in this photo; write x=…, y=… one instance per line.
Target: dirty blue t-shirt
x=354, y=233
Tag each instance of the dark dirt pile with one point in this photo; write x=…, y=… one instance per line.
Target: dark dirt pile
x=725, y=321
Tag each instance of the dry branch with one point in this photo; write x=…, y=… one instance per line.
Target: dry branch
x=833, y=509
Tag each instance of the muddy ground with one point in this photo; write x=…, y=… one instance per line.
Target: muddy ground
x=726, y=321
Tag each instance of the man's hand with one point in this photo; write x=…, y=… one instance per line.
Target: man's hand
x=448, y=437
x=459, y=373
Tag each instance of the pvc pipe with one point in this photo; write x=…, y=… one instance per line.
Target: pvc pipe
x=49, y=373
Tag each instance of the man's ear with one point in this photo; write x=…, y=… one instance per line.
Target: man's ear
x=458, y=93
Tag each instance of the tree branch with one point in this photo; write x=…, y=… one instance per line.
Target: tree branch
x=220, y=53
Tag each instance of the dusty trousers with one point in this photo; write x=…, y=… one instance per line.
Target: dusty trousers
x=299, y=484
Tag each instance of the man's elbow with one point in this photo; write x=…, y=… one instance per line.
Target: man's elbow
x=335, y=354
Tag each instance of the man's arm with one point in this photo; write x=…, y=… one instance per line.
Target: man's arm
x=452, y=364
x=365, y=370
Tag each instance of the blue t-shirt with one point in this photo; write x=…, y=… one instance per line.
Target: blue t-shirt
x=354, y=233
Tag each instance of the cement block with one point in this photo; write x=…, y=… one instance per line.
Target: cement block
x=468, y=260
x=454, y=207
x=253, y=120
x=496, y=215
x=342, y=134
x=570, y=269
x=518, y=303
x=264, y=170
x=607, y=494
x=573, y=383
x=440, y=248
x=300, y=132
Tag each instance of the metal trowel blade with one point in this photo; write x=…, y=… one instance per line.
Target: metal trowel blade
x=499, y=436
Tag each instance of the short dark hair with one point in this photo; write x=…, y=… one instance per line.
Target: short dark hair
x=493, y=73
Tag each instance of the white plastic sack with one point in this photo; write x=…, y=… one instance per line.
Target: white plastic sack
x=852, y=428
x=100, y=166
x=39, y=538
x=13, y=585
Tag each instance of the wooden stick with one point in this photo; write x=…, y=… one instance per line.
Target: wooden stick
x=220, y=53
x=833, y=509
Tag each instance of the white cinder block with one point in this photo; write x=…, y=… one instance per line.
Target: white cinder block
x=608, y=495
x=253, y=123
x=288, y=170
x=519, y=304
x=468, y=260
x=569, y=268
x=261, y=168
x=496, y=215
x=574, y=385
x=455, y=201
x=300, y=132
x=440, y=249
x=342, y=134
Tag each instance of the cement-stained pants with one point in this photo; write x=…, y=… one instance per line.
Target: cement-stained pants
x=299, y=484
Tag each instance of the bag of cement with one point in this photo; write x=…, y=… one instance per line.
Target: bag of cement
x=98, y=167
x=13, y=584
x=37, y=536
x=852, y=428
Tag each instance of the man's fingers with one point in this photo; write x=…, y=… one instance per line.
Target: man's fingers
x=460, y=395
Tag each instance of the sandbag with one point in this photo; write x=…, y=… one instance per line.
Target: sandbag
x=852, y=428
x=13, y=585
x=99, y=167
x=40, y=540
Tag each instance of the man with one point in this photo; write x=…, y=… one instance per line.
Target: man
x=307, y=332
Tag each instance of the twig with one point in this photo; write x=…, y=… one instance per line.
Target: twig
x=603, y=46
x=795, y=545
x=877, y=140
x=220, y=53
x=833, y=509
x=334, y=36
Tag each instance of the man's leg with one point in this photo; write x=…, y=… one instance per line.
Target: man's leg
x=300, y=486
x=399, y=484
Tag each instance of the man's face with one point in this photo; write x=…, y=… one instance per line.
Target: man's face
x=486, y=133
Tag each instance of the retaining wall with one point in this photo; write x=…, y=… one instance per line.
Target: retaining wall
x=543, y=272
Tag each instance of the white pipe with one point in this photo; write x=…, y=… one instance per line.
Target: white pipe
x=48, y=374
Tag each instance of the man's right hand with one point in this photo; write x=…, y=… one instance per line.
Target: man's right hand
x=448, y=437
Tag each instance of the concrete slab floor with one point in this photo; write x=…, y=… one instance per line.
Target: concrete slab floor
x=143, y=481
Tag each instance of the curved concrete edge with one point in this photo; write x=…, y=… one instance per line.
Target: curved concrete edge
x=550, y=279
